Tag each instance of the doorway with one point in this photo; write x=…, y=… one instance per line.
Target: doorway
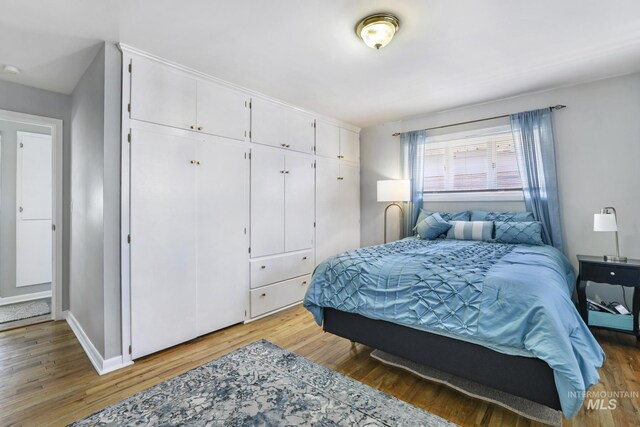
x=30, y=209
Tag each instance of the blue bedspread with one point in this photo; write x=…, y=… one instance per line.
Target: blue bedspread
x=515, y=299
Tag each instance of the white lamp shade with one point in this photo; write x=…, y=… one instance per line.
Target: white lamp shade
x=394, y=190
x=604, y=222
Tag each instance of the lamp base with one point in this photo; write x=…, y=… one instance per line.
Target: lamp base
x=614, y=258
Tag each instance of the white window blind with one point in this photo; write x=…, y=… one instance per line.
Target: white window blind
x=484, y=160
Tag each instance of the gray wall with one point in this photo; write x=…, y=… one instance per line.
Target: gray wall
x=597, y=149
x=8, y=204
x=95, y=183
x=23, y=99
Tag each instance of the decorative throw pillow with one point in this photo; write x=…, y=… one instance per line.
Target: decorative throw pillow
x=470, y=230
x=508, y=216
x=432, y=226
x=527, y=232
x=447, y=216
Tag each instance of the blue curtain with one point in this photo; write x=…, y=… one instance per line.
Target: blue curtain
x=535, y=150
x=412, y=146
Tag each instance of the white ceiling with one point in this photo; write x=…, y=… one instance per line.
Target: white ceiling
x=446, y=54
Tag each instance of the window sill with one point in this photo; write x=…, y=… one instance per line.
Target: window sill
x=488, y=196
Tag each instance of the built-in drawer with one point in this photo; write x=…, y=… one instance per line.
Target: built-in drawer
x=278, y=295
x=276, y=268
x=616, y=275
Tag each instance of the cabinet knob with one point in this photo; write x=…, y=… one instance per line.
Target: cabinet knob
x=286, y=171
x=193, y=126
x=200, y=128
x=263, y=267
x=281, y=171
x=303, y=283
x=288, y=145
x=193, y=162
x=263, y=295
x=304, y=257
x=340, y=178
x=283, y=145
x=613, y=273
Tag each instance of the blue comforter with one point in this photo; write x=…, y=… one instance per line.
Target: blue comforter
x=515, y=299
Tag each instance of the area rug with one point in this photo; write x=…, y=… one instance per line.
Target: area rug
x=526, y=408
x=262, y=385
x=24, y=310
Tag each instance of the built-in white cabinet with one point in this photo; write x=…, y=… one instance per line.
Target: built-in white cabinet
x=281, y=126
x=337, y=207
x=189, y=273
x=282, y=194
x=167, y=96
x=337, y=143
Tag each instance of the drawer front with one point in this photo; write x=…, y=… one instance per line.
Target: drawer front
x=265, y=271
x=278, y=295
x=615, y=274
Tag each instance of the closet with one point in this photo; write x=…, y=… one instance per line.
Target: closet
x=229, y=201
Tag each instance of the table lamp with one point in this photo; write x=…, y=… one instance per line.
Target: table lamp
x=394, y=190
x=607, y=220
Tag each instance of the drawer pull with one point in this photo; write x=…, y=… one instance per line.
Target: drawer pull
x=263, y=267
x=304, y=257
x=303, y=283
x=263, y=295
x=613, y=273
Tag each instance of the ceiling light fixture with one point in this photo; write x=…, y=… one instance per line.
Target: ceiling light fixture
x=11, y=69
x=377, y=30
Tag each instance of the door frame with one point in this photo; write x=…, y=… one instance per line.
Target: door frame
x=56, y=127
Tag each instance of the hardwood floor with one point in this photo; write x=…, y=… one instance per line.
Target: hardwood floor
x=46, y=379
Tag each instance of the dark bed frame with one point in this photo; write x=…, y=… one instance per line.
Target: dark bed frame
x=527, y=377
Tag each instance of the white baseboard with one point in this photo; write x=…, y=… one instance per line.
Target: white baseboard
x=101, y=365
x=25, y=297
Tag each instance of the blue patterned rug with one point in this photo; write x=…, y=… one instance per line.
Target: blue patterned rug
x=262, y=385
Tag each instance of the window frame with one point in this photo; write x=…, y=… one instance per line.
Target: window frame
x=448, y=142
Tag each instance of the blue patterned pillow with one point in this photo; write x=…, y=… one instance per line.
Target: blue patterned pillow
x=508, y=216
x=432, y=226
x=470, y=230
x=526, y=232
x=447, y=216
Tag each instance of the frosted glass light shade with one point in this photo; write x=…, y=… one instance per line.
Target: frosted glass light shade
x=377, y=30
x=394, y=190
x=604, y=222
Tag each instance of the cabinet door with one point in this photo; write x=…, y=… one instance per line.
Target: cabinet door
x=328, y=210
x=300, y=131
x=222, y=111
x=163, y=241
x=327, y=140
x=349, y=145
x=162, y=95
x=299, y=202
x=267, y=202
x=350, y=203
x=268, y=123
x=222, y=217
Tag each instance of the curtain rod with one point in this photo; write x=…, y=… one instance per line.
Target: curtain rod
x=553, y=107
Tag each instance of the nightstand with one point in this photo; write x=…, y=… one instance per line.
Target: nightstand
x=596, y=269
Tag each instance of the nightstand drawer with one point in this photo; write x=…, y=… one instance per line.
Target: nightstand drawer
x=610, y=274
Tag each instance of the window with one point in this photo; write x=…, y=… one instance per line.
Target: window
x=479, y=161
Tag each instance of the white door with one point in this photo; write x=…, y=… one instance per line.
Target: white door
x=327, y=140
x=268, y=123
x=350, y=203
x=163, y=240
x=267, y=202
x=222, y=248
x=300, y=135
x=34, y=264
x=298, y=202
x=328, y=209
x=349, y=145
x=160, y=94
x=222, y=111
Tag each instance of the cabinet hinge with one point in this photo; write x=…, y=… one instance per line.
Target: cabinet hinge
x=313, y=165
x=130, y=67
x=314, y=225
x=249, y=156
x=249, y=250
x=21, y=145
x=250, y=105
x=128, y=238
x=249, y=134
x=130, y=350
x=245, y=313
x=129, y=107
x=129, y=137
x=314, y=124
x=53, y=227
x=245, y=230
x=245, y=155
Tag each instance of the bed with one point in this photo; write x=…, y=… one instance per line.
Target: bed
x=498, y=314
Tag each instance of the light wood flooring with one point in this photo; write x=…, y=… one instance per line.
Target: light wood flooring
x=46, y=379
